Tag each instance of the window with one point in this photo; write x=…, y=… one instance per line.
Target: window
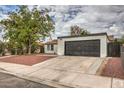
x=50, y=47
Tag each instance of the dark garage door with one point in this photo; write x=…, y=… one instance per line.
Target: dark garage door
x=83, y=48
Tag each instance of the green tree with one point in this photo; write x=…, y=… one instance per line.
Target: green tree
x=121, y=40
x=77, y=31
x=2, y=48
x=24, y=27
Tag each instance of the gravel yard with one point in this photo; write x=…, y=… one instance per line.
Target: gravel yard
x=26, y=59
x=113, y=68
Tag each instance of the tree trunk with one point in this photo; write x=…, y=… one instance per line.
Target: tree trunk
x=16, y=51
x=29, y=49
x=24, y=50
x=50, y=36
x=29, y=46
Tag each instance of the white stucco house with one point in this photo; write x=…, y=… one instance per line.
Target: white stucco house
x=88, y=45
x=50, y=47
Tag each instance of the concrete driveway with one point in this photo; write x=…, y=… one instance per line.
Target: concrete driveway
x=88, y=65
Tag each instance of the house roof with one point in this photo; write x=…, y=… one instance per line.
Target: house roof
x=93, y=34
x=51, y=42
x=111, y=37
x=40, y=43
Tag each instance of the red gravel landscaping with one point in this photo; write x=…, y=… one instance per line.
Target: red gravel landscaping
x=113, y=68
x=26, y=59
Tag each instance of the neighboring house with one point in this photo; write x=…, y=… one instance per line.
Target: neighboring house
x=97, y=45
x=40, y=47
x=51, y=47
x=111, y=38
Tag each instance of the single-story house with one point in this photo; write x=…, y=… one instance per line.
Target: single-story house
x=51, y=47
x=89, y=45
x=40, y=47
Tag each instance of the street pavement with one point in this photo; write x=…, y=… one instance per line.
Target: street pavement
x=10, y=81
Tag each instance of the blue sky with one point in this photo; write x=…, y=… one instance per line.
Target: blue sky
x=95, y=19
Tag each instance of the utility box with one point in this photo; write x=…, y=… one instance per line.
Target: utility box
x=122, y=56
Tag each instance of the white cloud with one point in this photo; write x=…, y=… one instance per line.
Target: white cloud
x=95, y=19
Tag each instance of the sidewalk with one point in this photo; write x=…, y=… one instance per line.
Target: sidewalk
x=57, y=78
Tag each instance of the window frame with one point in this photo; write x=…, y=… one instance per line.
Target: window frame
x=50, y=47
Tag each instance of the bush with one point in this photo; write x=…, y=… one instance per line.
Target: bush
x=12, y=51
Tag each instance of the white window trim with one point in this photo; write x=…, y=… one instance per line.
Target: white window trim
x=49, y=47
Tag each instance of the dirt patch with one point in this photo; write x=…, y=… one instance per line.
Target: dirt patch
x=113, y=68
x=26, y=59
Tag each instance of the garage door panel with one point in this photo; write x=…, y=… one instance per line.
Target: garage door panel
x=83, y=48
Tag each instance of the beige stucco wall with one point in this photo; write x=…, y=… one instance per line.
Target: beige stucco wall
x=48, y=51
x=103, y=43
